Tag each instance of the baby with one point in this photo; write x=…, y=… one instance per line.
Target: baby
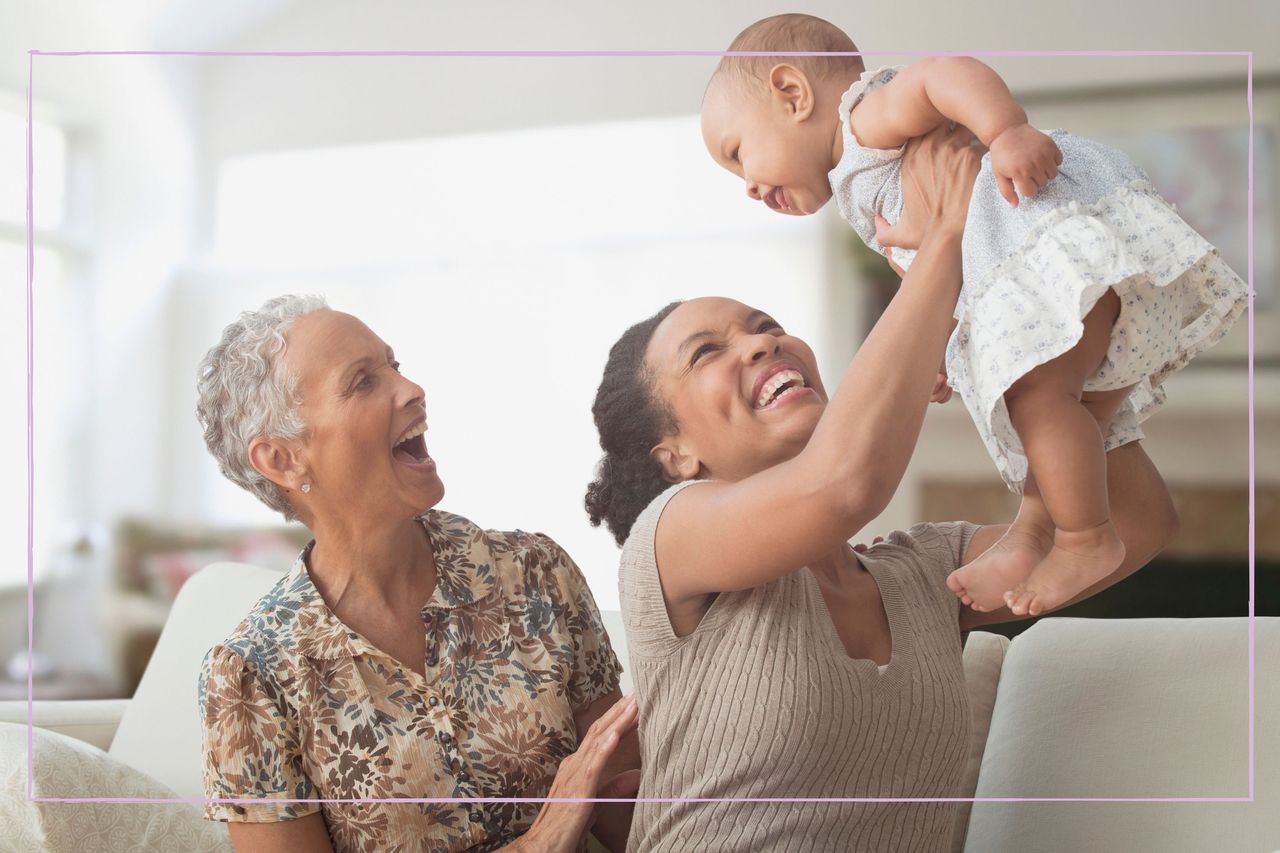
x=1083, y=289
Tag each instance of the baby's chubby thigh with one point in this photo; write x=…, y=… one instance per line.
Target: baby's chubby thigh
x=1070, y=372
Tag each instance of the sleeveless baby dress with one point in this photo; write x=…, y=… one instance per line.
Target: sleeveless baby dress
x=1032, y=273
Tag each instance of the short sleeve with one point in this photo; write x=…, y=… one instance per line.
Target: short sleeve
x=644, y=610
x=251, y=748
x=941, y=544
x=595, y=670
x=869, y=82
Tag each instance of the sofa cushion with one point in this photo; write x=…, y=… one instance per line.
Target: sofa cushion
x=93, y=721
x=66, y=767
x=1132, y=708
x=159, y=733
x=612, y=621
x=983, y=658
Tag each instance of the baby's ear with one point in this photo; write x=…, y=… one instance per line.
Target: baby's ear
x=791, y=88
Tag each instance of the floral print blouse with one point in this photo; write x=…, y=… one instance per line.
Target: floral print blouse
x=297, y=706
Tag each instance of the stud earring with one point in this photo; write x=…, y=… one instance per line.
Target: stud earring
x=306, y=487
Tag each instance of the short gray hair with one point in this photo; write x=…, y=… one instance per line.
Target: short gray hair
x=245, y=392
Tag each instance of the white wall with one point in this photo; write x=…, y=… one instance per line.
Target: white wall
x=281, y=102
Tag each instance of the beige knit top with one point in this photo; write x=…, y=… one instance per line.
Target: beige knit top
x=762, y=700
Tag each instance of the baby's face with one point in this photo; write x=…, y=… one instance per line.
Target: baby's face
x=784, y=160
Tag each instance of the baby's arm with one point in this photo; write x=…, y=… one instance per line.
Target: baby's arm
x=964, y=90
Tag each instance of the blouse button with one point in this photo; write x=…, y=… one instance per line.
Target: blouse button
x=446, y=738
x=433, y=701
x=476, y=816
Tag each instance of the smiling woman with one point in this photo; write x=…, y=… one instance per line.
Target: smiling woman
x=772, y=658
x=408, y=653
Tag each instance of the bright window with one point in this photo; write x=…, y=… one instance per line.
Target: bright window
x=501, y=267
x=49, y=144
x=56, y=344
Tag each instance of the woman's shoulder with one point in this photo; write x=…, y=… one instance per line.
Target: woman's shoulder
x=941, y=543
x=640, y=541
x=521, y=559
x=266, y=640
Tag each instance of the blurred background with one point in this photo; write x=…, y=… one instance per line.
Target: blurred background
x=500, y=221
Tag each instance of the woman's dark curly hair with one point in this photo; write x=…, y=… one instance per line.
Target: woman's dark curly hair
x=630, y=420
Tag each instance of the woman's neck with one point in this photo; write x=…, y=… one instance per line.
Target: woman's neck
x=390, y=564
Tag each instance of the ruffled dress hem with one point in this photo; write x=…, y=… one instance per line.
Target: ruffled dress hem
x=1178, y=298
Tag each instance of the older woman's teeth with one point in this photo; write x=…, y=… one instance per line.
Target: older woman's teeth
x=412, y=432
x=776, y=383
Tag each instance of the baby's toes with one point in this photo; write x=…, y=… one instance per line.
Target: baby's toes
x=954, y=584
x=1017, y=599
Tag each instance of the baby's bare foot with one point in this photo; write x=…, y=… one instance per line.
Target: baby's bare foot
x=1077, y=561
x=983, y=583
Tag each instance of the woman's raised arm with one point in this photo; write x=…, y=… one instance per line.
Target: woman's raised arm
x=722, y=536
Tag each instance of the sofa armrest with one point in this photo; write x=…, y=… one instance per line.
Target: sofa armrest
x=984, y=654
x=93, y=721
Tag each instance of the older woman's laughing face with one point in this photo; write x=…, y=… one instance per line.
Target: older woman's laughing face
x=365, y=452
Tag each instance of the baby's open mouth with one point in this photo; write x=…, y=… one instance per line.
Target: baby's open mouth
x=779, y=386
x=777, y=199
x=412, y=447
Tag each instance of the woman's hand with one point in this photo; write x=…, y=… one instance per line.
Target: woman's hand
x=560, y=826
x=862, y=548
x=941, y=388
x=938, y=170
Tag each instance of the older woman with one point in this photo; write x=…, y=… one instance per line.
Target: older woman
x=408, y=654
x=772, y=659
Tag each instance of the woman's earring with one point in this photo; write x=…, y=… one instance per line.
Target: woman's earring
x=306, y=487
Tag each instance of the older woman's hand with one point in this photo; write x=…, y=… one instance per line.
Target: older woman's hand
x=938, y=170
x=560, y=826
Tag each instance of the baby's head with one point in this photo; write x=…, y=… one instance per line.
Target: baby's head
x=772, y=120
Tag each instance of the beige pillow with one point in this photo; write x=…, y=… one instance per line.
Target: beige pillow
x=1132, y=708
x=983, y=657
x=65, y=767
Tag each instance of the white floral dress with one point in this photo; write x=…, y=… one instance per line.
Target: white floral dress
x=1032, y=273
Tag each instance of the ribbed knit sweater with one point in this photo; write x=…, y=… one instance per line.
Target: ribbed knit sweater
x=761, y=700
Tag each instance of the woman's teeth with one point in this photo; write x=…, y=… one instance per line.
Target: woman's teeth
x=774, y=386
x=412, y=432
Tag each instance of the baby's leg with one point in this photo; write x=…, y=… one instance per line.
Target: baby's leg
x=983, y=583
x=1064, y=449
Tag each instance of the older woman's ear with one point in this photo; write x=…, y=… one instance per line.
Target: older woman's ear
x=277, y=460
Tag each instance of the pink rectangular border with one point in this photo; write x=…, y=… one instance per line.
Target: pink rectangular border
x=637, y=54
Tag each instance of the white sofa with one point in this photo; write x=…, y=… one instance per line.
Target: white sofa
x=1152, y=708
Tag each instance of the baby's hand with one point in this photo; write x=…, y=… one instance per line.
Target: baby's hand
x=1024, y=156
